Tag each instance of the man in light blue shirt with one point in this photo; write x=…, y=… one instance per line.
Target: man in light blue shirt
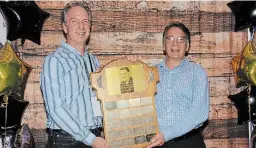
x=66, y=88
x=182, y=99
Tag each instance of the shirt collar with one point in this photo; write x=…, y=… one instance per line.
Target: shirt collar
x=68, y=48
x=182, y=64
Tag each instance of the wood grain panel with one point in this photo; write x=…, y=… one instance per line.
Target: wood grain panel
x=222, y=108
x=33, y=93
x=40, y=137
x=224, y=43
x=207, y=6
x=226, y=128
x=151, y=20
x=227, y=143
x=35, y=116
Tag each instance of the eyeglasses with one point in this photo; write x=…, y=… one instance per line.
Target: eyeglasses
x=179, y=39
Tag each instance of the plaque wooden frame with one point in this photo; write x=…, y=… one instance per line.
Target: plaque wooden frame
x=129, y=117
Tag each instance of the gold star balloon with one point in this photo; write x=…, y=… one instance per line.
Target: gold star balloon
x=246, y=72
x=13, y=72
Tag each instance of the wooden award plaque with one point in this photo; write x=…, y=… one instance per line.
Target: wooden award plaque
x=126, y=91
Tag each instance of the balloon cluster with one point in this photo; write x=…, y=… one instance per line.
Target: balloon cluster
x=244, y=63
x=18, y=20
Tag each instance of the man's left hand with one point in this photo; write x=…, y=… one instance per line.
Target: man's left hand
x=157, y=140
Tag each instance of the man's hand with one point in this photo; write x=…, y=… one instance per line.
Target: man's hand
x=102, y=135
x=157, y=140
x=100, y=143
x=98, y=69
x=132, y=57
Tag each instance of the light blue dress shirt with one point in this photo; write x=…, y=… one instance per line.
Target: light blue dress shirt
x=67, y=92
x=182, y=99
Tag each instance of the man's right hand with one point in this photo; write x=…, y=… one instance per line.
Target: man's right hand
x=157, y=140
x=100, y=143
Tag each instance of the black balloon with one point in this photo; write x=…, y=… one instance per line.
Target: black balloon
x=245, y=14
x=241, y=102
x=21, y=138
x=8, y=139
x=11, y=110
x=24, y=20
x=24, y=138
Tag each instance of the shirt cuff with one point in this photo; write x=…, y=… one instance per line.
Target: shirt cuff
x=89, y=139
x=168, y=134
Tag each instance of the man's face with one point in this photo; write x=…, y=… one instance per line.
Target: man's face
x=175, y=44
x=124, y=75
x=77, y=26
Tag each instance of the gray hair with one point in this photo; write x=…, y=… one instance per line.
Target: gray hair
x=73, y=4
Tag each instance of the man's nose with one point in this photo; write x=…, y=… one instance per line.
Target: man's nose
x=175, y=42
x=81, y=25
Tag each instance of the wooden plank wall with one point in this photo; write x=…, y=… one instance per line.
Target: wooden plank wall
x=135, y=27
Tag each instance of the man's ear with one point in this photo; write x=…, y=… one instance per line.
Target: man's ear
x=187, y=49
x=64, y=27
x=188, y=46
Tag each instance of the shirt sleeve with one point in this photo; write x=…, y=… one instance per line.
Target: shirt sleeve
x=51, y=81
x=197, y=113
x=95, y=61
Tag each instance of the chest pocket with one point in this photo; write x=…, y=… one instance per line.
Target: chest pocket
x=184, y=93
x=75, y=80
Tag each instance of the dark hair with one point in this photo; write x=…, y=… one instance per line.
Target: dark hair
x=179, y=25
x=73, y=4
x=125, y=68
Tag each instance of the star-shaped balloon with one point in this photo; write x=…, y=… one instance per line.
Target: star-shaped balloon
x=11, y=110
x=241, y=102
x=24, y=137
x=24, y=20
x=246, y=72
x=13, y=72
x=245, y=14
